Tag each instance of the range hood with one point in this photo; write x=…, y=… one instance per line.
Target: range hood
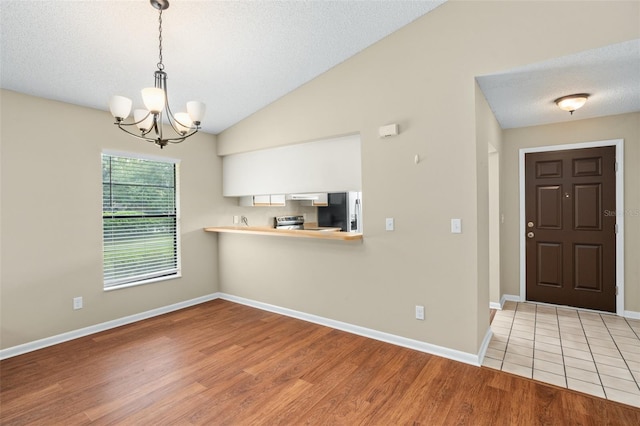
x=303, y=197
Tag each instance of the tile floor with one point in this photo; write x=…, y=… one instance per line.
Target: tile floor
x=589, y=352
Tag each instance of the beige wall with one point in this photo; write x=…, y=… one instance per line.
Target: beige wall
x=488, y=133
x=421, y=77
x=51, y=227
x=626, y=127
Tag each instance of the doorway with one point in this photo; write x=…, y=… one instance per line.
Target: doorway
x=570, y=252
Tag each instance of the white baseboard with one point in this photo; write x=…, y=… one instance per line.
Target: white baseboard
x=452, y=354
x=64, y=337
x=444, y=352
x=504, y=298
x=510, y=298
x=632, y=315
x=484, y=345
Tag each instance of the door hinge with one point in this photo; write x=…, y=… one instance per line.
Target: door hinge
x=616, y=228
x=616, y=290
x=616, y=163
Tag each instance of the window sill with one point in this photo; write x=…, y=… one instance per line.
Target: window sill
x=144, y=282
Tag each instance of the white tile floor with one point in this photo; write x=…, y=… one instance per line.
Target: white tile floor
x=594, y=353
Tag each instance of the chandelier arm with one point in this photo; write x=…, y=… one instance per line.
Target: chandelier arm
x=135, y=123
x=157, y=125
x=182, y=138
x=134, y=134
x=170, y=117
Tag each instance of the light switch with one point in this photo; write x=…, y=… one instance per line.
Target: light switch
x=456, y=226
x=389, y=224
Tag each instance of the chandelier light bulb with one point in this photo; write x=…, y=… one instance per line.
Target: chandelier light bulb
x=196, y=111
x=154, y=99
x=183, y=122
x=143, y=119
x=120, y=107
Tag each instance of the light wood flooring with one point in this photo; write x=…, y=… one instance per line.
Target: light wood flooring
x=221, y=363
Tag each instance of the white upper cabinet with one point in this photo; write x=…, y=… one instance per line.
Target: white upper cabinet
x=331, y=165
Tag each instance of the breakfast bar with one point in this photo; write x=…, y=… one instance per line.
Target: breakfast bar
x=310, y=232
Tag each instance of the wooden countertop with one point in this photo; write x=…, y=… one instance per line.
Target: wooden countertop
x=323, y=234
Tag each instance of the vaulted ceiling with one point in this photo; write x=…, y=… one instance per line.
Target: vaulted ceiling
x=239, y=56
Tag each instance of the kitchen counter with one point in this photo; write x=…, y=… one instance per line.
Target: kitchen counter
x=311, y=232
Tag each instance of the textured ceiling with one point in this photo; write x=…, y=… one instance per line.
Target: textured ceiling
x=239, y=56
x=236, y=56
x=525, y=96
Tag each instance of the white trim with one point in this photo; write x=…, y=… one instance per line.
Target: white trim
x=452, y=354
x=64, y=337
x=505, y=298
x=140, y=156
x=619, y=144
x=510, y=298
x=178, y=274
x=393, y=339
x=485, y=344
x=632, y=315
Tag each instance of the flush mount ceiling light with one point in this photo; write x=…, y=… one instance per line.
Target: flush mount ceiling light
x=572, y=102
x=184, y=124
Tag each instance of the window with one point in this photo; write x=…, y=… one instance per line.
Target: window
x=139, y=220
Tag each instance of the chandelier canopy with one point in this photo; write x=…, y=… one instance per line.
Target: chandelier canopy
x=156, y=100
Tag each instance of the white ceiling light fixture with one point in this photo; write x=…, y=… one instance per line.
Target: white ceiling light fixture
x=156, y=100
x=572, y=102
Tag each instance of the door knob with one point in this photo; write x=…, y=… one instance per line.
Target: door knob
x=530, y=234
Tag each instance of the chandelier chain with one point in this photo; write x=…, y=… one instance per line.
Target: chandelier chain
x=160, y=64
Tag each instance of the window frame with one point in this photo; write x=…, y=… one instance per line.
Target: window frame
x=178, y=233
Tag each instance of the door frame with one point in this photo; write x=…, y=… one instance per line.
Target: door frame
x=619, y=144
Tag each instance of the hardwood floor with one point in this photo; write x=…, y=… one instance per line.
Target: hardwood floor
x=221, y=363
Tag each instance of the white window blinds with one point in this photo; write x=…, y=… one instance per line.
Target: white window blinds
x=140, y=238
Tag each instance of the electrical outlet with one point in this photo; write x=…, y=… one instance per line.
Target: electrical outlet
x=77, y=303
x=419, y=312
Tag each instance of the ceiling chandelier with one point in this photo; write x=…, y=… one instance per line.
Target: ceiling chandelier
x=149, y=121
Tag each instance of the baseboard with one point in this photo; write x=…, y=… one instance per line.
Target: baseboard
x=504, y=298
x=64, y=337
x=632, y=315
x=485, y=344
x=444, y=352
x=510, y=298
x=452, y=354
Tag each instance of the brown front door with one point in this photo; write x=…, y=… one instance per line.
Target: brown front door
x=570, y=201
